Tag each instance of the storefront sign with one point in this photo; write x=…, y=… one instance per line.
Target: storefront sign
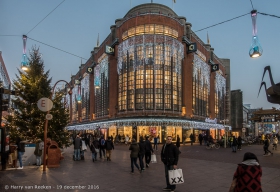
x=208, y=120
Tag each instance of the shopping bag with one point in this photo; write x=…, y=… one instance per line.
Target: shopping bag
x=96, y=150
x=153, y=158
x=175, y=176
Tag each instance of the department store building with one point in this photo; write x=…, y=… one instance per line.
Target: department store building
x=152, y=76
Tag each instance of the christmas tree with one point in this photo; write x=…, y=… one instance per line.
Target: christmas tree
x=28, y=121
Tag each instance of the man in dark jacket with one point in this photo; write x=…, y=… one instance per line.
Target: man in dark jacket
x=141, y=153
x=77, y=148
x=102, y=142
x=109, y=146
x=148, y=151
x=170, y=157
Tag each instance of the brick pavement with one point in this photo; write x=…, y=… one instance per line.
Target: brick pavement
x=204, y=171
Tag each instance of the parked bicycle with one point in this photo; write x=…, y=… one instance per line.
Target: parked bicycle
x=213, y=145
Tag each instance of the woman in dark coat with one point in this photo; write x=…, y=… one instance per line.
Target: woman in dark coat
x=134, y=147
x=247, y=176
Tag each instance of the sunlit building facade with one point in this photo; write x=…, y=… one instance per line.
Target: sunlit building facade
x=143, y=80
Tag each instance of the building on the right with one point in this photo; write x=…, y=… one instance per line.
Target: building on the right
x=236, y=112
x=266, y=121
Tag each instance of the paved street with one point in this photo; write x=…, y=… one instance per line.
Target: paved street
x=204, y=171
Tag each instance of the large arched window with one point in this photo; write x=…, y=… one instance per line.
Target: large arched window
x=149, y=68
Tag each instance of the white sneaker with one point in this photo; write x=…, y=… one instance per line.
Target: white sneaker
x=20, y=167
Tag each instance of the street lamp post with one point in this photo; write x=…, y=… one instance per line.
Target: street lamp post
x=46, y=121
x=225, y=138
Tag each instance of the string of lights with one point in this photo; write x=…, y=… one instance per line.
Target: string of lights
x=252, y=5
x=222, y=22
x=266, y=14
x=45, y=17
x=269, y=15
x=57, y=48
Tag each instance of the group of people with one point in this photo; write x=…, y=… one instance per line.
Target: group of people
x=17, y=151
x=97, y=145
x=139, y=151
x=273, y=139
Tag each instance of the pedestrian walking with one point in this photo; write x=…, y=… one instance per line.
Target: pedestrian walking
x=109, y=146
x=200, y=138
x=141, y=153
x=83, y=148
x=148, y=151
x=239, y=143
x=274, y=142
x=247, y=176
x=192, y=138
x=20, y=149
x=77, y=148
x=134, y=147
x=156, y=140
x=169, y=157
x=39, y=147
x=266, y=146
x=102, y=147
x=184, y=139
x=94, y=149
x=234, y=144
x=178, y=143
x=87, y=140
x=127, y=140
x=205, y=139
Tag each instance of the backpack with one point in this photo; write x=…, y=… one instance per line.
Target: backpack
x=102, y=142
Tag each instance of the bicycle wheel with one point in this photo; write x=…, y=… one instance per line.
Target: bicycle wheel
x=217, y=146
x=208, y=146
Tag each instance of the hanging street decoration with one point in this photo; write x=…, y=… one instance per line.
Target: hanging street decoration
x=256, y=48
x=24, y=62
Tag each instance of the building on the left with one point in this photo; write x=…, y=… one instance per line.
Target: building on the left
x=5, y=82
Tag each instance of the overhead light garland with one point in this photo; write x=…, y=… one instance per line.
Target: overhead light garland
x=185, y=124
x=256, y=48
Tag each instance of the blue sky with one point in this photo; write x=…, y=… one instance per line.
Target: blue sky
x=75, y=24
